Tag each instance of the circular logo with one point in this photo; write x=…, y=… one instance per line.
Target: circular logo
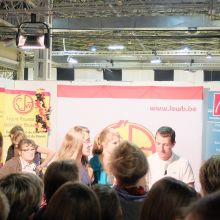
x=136, y=134
x=23, y=103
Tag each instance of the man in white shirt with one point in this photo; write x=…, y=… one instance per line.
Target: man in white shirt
x=166, y=163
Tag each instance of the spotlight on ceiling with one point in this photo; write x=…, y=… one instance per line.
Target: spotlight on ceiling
x=71, y=60
x=209, y=56
x=155, y=60
x=116, y=47
x=93, y=48
x=33, y=35
x=186, y=49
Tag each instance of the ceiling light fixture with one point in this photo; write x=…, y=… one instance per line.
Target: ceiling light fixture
x=155, y=60
x=93, y=49
x=185, y=49
x=33, y=35
x=116, y=47
x=209, y=56
x=71, y=60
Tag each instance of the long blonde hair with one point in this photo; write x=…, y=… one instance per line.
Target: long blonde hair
x=104, y=137
x=72, y=143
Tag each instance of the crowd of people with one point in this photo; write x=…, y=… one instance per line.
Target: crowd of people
x=109, y=179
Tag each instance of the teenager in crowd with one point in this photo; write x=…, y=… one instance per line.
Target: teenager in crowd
x=129, y=166
x=207, y=208
x=209, y=175
x=57, y=173
x=103, y=146
x=76, y=146
x=168, y=199
x=24, y=192
x=109, y=201
x=4, y=206
x=73, y=201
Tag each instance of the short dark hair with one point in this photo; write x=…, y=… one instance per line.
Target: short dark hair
x=28, y=142
x=166, y=131
x=24, y=192
x=4, y=206
x=167, y=198
x=78, y=202
x=58, y=173
x=206, y=208
x=109, y=201
x=209, y=175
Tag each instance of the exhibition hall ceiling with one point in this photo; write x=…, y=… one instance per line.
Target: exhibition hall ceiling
x=181, y=34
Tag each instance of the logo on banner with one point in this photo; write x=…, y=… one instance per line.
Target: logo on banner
x=23, y=103
x=216, y=104
x=137, y=134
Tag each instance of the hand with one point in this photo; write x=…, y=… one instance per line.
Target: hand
x=39, y=167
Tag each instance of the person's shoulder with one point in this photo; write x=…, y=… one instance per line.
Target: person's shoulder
x=95, y=157
x=13, y=160
x=180, y=159
x=11, y=166
x=152, y=157
x=95, y=161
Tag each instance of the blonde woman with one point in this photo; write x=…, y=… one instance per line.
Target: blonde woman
x=104, y=144
x=76, y=146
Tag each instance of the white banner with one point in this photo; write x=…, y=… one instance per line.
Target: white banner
x=137, y=112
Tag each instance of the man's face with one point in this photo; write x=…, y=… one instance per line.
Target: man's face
x=164, y=146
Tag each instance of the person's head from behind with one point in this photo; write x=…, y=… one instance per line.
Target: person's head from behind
x=207, y=208
x=78, y=202
x=17, y=137
x=24, y=192
x=167, y=200
x=58, y=173
x=209, y=175
x=76, y=144
x=15, y=129
x=109, y=201
x=27, y=149
x=165, y=141
x=128, y=164
x=4, y=206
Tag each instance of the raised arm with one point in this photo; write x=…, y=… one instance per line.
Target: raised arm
x=49, y=156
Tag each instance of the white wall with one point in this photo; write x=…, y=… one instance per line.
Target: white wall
x=88, y=75
x=187, y=76
x=137, y=75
